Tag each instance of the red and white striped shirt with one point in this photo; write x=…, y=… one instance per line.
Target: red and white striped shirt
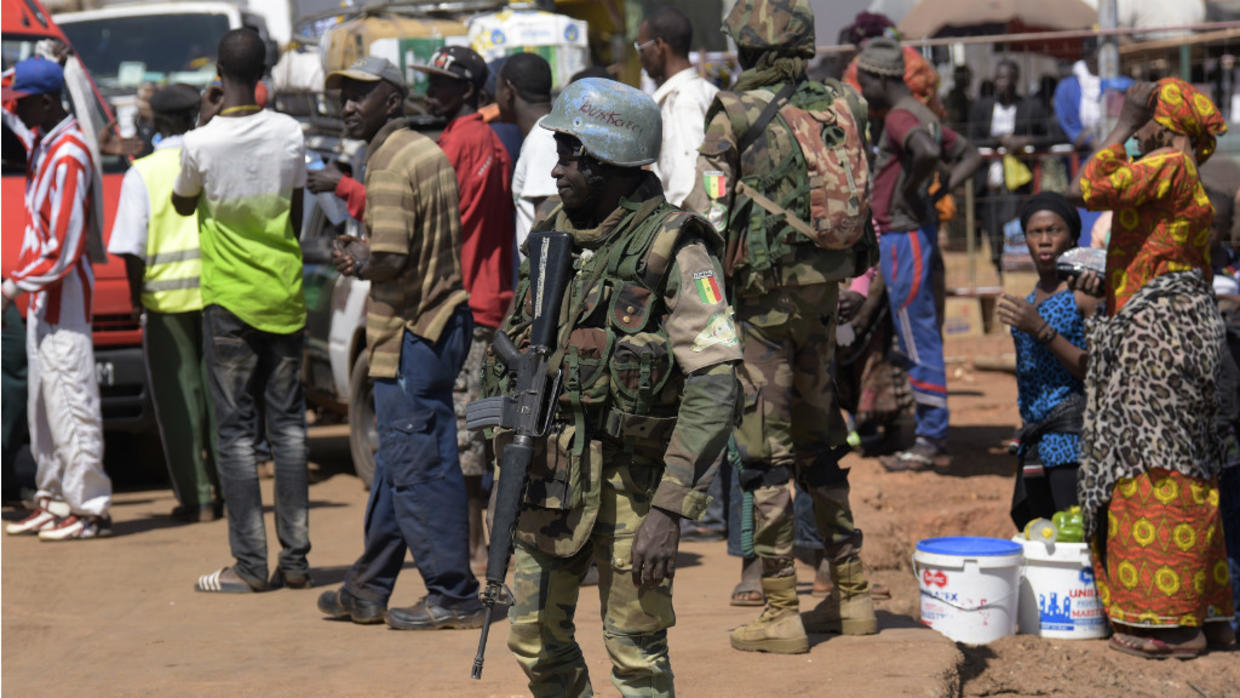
x=53, y=263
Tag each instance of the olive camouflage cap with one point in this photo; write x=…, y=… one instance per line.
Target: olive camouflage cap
x=784, y=26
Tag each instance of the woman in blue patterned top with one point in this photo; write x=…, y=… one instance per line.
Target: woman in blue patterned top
x=1048, y=330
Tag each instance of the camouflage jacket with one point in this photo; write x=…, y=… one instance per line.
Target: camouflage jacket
x=648, y=350
x=769, y=165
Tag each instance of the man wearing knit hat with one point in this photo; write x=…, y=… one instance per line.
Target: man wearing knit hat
x=786, y=291
x=912, y=145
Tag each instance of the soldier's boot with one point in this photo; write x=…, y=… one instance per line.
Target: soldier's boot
x=849, y=608
x=779, y=628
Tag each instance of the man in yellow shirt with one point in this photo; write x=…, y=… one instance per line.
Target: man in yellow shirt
x=163, y=263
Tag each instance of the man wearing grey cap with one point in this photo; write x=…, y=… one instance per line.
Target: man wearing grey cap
x=164, y=265
x=418, y=325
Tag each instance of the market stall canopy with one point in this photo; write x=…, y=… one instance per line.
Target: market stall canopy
x=931, y=18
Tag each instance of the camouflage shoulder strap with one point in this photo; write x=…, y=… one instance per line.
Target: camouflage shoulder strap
x=653, y=265
x=764, y=119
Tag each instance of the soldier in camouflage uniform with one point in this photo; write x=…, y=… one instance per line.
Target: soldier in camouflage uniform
x=647, y=347
x=786, y=290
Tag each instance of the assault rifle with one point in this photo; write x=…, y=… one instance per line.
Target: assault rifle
x=527, y=411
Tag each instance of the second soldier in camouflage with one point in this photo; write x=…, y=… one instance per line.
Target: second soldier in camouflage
x=786, y=290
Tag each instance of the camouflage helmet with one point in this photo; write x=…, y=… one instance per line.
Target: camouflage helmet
x=616, y=124
x=783, y=26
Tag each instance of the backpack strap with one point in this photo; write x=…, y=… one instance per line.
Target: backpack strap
x=764, y=119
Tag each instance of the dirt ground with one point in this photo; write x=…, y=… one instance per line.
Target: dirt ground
x=119, y=616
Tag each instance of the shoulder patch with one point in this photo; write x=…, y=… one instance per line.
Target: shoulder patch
x=719, y=331
x=707, y=287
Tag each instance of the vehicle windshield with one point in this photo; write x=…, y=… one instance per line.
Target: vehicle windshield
x=14, y=48
x=124, y=52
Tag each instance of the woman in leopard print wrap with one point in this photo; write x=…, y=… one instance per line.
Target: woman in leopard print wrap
x=1150, y=455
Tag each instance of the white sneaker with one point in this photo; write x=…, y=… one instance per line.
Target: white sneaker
x=78, y=528
x=39, y=520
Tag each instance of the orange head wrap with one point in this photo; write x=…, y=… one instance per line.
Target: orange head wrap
x=1185, y=110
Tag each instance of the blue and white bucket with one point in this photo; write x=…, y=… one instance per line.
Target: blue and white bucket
x=969, y=586
x=1057, y=593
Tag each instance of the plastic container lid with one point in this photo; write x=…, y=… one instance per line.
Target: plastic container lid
x=969, y=546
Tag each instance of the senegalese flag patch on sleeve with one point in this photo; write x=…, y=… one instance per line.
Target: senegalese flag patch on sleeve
x=707, y=287
x=715, y=183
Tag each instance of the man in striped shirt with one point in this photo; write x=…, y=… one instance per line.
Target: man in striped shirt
x=418, y=326
x=66, y=425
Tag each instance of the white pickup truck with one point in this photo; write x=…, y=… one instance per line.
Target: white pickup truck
x=335, y=370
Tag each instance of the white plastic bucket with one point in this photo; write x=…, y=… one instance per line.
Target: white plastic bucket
x=1057, y=594
x=968, y=586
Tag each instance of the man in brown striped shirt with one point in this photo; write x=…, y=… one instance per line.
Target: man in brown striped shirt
x=418, y=326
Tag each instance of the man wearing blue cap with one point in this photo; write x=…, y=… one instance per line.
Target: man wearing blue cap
x=66, y=425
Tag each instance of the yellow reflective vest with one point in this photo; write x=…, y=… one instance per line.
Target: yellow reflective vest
x=173, y=260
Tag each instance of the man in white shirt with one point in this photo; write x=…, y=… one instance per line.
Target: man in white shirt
x=243, y=172
x=523, y=93
x=683, y=96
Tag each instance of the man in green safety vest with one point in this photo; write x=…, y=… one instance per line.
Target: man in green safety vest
x=163, y=263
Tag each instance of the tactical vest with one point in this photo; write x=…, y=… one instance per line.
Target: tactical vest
x=621, y=384
x=763, y=251
x=173, y=259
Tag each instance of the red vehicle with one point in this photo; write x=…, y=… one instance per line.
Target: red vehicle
x=119, y=364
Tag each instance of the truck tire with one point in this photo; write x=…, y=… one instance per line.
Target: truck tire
x=363, y=433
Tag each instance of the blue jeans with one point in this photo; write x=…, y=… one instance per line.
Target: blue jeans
x=906, y=265
x=805, y=525
x=417, y=498
x=247, y=369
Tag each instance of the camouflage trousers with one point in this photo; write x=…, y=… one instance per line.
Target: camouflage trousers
x=789, y=341
x=774, y=525
x=791, y=425
x=473, y=447
x=635, y=618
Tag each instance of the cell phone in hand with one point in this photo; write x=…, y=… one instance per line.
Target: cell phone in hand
x=1079, y=260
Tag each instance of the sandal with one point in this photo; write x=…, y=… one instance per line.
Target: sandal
x=283, y=580
x=1149, y=647
x=215, y=583
x=745, y=594
x=749, y=591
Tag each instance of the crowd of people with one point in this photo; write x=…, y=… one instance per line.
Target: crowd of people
x=757, y=286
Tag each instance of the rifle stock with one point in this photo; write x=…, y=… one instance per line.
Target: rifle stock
x=528, y=411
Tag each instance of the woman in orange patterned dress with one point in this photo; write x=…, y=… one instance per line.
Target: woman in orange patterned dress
x=1150, y=457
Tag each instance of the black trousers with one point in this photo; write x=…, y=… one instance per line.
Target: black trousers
x=1041, y=497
